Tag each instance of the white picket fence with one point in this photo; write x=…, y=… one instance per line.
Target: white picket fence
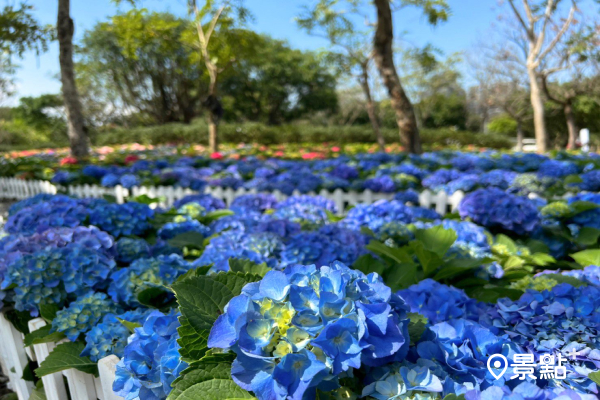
x=18, y=189
x=14, y=357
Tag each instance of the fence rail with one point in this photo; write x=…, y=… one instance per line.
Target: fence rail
x=18, y=189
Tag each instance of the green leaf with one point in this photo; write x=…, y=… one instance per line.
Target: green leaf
x=215, y=215
x=560, y=278
x=572, y=179
x=587, y=257
x=145, y=199
x=595, y=377
x=129, y=325
x=588, y=236
x=455, y=268
x=193, y=240
x=508, y=242
x=401, y=276
x=193, y=344
x=436, y=239
x=582, y=206
x=19, y=319
x=213, y=389
x=48, y=312
x=66, y=356
x=416, y=327
x=203, y=298
x=38, y=393
x=492, y=294
x=248, y=267
x=453, y=396
x=399, y=255
x=513, y=262
x=429, y=260
x=198, y=374
x=367, y=264
x=332, y=217
x=13, y=396
x=159, y=297
x=43, y=335
x=541, y=259
x=537, y=246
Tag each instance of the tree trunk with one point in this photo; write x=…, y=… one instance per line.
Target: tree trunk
x=384, y=58
x=520, y=136
x=213, y=132
x=539, y=121
x=77, y=131
x=364, y=83
x=571, y=125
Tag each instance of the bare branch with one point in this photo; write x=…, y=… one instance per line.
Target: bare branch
x=559, y=35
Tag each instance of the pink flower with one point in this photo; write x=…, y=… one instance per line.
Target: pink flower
x=131, y=158
x=216, y=156
x=68, y=161
x=335, y=149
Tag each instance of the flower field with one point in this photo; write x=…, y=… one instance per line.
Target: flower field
x=273, y=299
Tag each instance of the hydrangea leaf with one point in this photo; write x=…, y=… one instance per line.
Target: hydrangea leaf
x=19, y=319
x=38, y=393
x=203, y=298
x=588, y=236
x=48, y=312
x=508, y=242
x=248, y=267
x=416, y=327
x=398, y=255
x=198, y=374
x=582, y=206
x=193, y=343
x=368, y=264
x=129, y=325
x=595, y=376
x=156, y=297
x=193, y=240
x=560, y=278
x=222, y=389
x=66, y=356
x=401, y=276
x=42, y=335
x=215, y=215
x=430, y=261
x=454, y=268
x=436, y=239
x=587, y=257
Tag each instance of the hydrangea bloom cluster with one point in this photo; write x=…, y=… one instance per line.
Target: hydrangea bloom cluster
x=144, y=273
x=82, y=315
x=377, y=214
x=110, y=335
x=173, y=229
x=151, y=360
x=122, y=219
x=129, y=250
x=303, y=327
x=496, y=209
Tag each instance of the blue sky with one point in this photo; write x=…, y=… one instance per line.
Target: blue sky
x=469, y=21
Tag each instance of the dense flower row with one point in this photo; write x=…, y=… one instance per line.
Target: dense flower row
x=378, y=172
x=312, y=322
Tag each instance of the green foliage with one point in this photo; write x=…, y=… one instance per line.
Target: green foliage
x=66, y=356
x=19, y=31
x=416, y=327
x=43, y=335
x=202, y=299
x=503, y=124
x=248, y=267
x=587, y=257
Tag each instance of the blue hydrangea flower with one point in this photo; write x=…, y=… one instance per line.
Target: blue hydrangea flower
x=173, y=229
x=208, y=202
x=296, y=328
x=82, y=315
x=494, y=208
x=126, y=283
x=150, y=360
x=110, y=335
x=557, y=169
x=407, y=196
x=129, y=250
x=377, y=214
x=122, y=219
x=307, y=215
x=316, y=201
x=255, y=202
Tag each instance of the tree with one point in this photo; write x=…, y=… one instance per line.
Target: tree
x=220, y=18
x=355, y=54
x=19, y=32
x=574, y=64
x=145, y=63
x=276, y=84
x=78, y=136
x=434, y=87
x=543, y=29
x=436, y=10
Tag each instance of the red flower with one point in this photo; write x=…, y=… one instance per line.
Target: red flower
x=335, y=149
x=131, y=159
x=216, y=156
x=68, y=161
x=278, y=153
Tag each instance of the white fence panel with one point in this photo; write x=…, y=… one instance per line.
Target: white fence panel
x=15, y=358
x=108, y=368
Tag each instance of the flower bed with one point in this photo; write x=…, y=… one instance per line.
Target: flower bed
x=284, y=299
x=447, y=171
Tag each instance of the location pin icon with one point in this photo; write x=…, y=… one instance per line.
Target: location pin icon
x=495, y=363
